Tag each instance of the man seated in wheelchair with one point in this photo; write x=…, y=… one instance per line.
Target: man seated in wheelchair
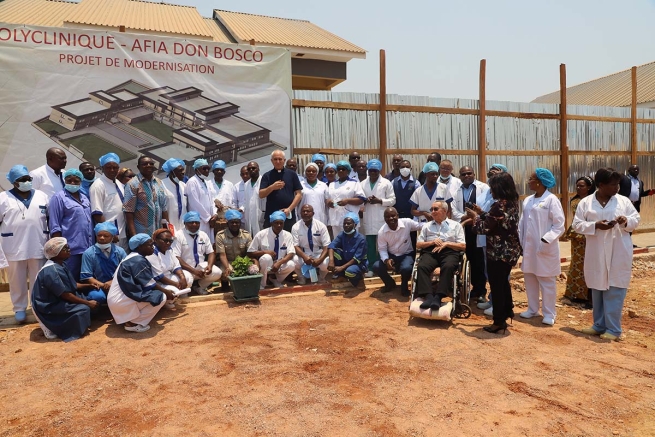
x=440, y=243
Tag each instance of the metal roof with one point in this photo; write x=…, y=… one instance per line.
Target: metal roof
x=282, y=31
x=612, y=90
x=35, y=12
x=140, y=15
x=217, y=32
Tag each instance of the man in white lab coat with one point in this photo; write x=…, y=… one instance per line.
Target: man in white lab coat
x=254, y=213
x=200, y=197
x=106, y=195
x=49, y=177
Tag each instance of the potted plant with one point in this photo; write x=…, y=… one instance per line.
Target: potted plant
x=245, y=279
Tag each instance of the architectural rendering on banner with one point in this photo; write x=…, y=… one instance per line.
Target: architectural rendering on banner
x=133, y=119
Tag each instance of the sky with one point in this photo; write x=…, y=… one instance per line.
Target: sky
x=433, y=48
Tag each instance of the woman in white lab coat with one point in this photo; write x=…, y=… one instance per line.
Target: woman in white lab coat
x=313, y=193
x=343, y=196
x=24, y=231
x=540, y=227
x=175, y=192
x=606, y=219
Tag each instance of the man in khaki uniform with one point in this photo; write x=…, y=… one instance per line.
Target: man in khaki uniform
x=232, y=242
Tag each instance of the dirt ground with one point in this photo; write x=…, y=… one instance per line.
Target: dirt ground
x=338, y=365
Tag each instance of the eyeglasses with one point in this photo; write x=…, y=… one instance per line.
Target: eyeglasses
x=355, y=157
x=435, y=209
x=166, y=240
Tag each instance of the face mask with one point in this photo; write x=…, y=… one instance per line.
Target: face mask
x=176, y=180
x=103, y=246
x=72, y=188
x=190, y=233
x=351, y=231
x=404, y=172
x=203, y=177
x=445, y=180
x=25, y=186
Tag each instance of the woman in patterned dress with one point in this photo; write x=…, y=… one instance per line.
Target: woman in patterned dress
x=576, y=287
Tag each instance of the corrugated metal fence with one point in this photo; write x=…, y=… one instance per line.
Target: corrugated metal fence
x=519, y=143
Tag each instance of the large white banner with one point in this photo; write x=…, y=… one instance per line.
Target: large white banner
x=92, y=92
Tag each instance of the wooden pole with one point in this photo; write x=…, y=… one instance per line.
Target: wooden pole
x=633, y=119
x=383, y=109
x=482, y=129
x=564, y=145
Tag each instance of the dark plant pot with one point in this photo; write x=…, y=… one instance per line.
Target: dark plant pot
x=245, y=288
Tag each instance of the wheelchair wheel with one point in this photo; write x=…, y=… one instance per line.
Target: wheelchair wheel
x=465, y=290
x=461, y=311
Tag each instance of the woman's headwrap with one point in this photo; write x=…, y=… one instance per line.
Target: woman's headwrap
x=277, y=215
x=73, y=172
x=546, y=177
x=352, y=215
x=311, y=164
x=158, y=232
x=200, y=163
x=17, y=171
x=107, y=227
x=374, y=164
x=191, y=216
x=219, y=164
x=318, y=157
x=233, y=214
x=430, y=167
x=138, y=240
x=172, y=164
x=345, y=164
x=109, y=157
x=330, y=165
x=53, y=246
x=500, y=167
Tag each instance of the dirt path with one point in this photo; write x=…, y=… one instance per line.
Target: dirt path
x=343, y=365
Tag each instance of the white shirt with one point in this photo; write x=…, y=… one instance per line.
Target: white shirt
x=342, y=190
x=45, y=179
x=374, y=213
x=448, y=231
x=254, y=208
x=459, y=202
x=23, y=238
x=104, y=198
x=240, y=195
x=183, y=247
x=314, y=196
x=397, y=242
x=200, y=198
x=225, y=194
x=265, y=240
x=608, y=254
x=163, y=264
x=542, y=217
x=634, y=189
x=320, y=237
x=423, y=202
x=174, y=217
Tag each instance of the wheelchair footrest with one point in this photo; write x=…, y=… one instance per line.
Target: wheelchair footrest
x=415, y=310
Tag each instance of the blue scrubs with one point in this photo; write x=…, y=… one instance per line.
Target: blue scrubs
x=347, y=248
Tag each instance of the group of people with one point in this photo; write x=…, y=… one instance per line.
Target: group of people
x=134, y=242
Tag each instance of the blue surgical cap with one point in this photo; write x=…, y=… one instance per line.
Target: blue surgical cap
x=374, y=164
x=318, y=157
x=277, y=215
x=17, y=171
x=105, y=226
x=219, y=164
x=73, y=172
x=352, y=215
x=109, y=157
x=430, y=167
x=233, y=214
x=172, y=164
x=345, y=164
x=499, y=167
x=200, y=163
x=138, y=240
x=546, y=177
x=330, y=165
x=191, y=216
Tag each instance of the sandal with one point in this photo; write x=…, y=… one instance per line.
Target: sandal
x=137, y=328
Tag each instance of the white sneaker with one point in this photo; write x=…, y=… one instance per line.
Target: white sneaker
x=548, y=321
x=276, y=283
x=49, y=334
x=489, y=311
x=137, y=328
x=369, y=274
x=302, y=280
x=170, y=304
x=527, y=314
x=484, y=305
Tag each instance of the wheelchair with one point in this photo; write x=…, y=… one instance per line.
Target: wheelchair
x=460, y=289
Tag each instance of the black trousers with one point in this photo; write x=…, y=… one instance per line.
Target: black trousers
x=448, y=260
x=475, y=256
x=501, y=292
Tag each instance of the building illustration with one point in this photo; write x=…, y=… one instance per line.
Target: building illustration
x=132, y=119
